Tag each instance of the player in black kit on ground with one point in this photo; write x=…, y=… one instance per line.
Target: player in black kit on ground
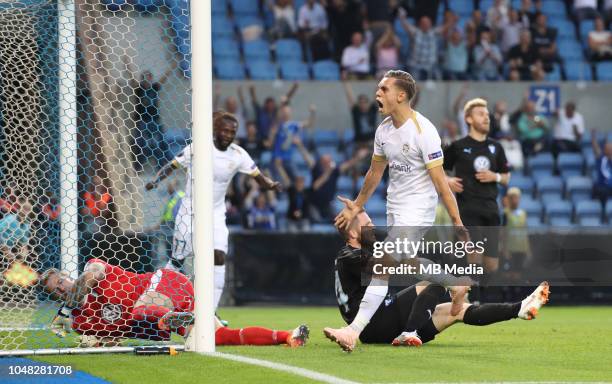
x=416, y=307
x=480, y=164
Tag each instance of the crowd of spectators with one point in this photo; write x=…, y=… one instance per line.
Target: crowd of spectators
x=367, y=37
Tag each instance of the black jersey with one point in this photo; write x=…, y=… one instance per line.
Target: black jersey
x=350, y=268
x=467, y=156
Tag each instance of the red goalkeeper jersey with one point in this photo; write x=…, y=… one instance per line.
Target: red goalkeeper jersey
x=106, y=311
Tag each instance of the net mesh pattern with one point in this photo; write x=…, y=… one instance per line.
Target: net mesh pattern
x=94, y=101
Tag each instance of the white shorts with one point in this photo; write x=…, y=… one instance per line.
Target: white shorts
x=220, y=231
x=182, y=246
x=411, y=225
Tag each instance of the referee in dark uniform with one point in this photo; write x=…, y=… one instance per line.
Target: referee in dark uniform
x=479, y=164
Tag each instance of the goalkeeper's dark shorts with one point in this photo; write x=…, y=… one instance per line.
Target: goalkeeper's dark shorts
x=391, y=318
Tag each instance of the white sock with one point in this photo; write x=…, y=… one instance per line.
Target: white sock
x=219, y=283
x=374, y=295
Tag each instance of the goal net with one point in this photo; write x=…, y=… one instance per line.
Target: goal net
x=94, y=100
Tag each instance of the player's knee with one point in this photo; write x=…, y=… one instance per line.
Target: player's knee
x=219, y=257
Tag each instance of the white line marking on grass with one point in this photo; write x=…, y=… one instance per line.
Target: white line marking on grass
x=284, y=368
x=504, y=382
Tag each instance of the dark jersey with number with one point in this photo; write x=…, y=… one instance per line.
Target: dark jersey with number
x=349, y=265
x=467, y=156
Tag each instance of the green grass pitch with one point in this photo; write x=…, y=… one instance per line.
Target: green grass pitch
x=565, y=344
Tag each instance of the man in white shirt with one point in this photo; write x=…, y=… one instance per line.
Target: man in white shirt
x=568, y=130
x=356, y=58
x=228, y=159
x=312, y=17
x=409, y=144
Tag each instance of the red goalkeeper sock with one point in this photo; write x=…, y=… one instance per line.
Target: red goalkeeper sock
x=146, y=318
x=250, y=336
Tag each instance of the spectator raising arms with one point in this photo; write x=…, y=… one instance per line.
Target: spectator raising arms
x=365, y=115
x=487, y=58
x=602, y=189
x=266, y=115
x=387, y=52
x=281, y=140
x=455, y=57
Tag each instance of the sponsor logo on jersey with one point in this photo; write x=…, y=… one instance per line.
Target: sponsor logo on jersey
x=435, y=155
x=388, y=301
x=467, y=150
x=492, y=148
x=111, y=312
x=482, y=163
x=400, y=167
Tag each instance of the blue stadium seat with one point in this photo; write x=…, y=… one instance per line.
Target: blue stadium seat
x=256, y=49
x=322, y=228
x=569, y=173
x=589, y=158
x=376, y=206
x=242, y=7
x=588, y=208
x=604, y=71
x=553, y=8
x=608, y=213
x=524, y=183
x=550, y=185
x=345, y=186
x=534, y=222
x=567, y=161
x=462, y=7
x=485, y=5
x=294, y=70
x=326, y=70
x=565, y=28
x=379, y=220
x=288, y=49
x=555, y=74
x=265, y=158
x=533, y=207
x=558, y=209
x=577, y=70
x=228, y=69
x=282, y=205
x=561, y=221
x=578, y=186
x=225, y=48
x=570, y=48
x=325, y=136
x=261, y=70
x=586, y=26
x=221, y=27
x=541, y=162
x=589, y=221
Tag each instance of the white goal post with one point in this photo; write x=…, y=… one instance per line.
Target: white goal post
x=96, y=96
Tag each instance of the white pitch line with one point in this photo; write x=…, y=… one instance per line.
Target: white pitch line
x=505, y=382
x=307, y=373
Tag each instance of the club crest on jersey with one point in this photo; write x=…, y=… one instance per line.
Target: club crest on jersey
x=492, y=148
x=406, y=149
x=482, y=163
x=111, y=312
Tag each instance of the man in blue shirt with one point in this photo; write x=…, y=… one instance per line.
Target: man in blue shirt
x=602, y=189
x=282, y=139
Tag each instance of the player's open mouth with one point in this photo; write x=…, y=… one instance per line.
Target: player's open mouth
x=380, y=104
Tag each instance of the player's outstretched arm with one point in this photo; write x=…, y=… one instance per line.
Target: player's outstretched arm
x=371, y=181
x=161, y=175
x=89, y=279
x=268, y=184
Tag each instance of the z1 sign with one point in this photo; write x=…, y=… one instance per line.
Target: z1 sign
x=547, y=98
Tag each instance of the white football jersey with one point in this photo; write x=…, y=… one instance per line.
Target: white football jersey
x=225, y=165
x=410, y=151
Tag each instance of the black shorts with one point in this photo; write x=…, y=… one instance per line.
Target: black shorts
x=474, y=220
x=390, y=320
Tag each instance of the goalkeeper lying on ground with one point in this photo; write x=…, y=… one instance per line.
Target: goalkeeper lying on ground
x=107, y=304
x=416, y=314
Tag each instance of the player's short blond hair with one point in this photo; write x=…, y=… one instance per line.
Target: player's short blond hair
x=514, y=191
x=471, y=104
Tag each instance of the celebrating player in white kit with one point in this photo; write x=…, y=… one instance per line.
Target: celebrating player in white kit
x=228, y=159
x=410, y=144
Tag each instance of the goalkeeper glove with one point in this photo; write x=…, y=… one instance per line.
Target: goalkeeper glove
x=62, y=323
